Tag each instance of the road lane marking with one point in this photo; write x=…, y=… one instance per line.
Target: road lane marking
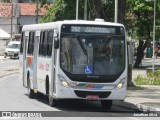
x=132, y=118
x=9, y=118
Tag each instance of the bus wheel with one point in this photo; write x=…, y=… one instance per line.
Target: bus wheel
x=106, y=104
x=31, y=93
x=52, y=102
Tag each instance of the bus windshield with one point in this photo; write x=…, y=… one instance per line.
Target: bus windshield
x=92, y=54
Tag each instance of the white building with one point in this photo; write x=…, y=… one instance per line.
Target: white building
x=14, y=15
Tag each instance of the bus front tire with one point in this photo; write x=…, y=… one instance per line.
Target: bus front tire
x=52, y=101
x=106, y=104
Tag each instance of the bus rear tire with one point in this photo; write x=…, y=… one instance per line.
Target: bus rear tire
x=52, y=101
x=106, y=104
x=31, y=93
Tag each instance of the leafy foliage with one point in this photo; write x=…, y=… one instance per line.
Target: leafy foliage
x=151, y=79
x=6, y=0
x=139, y=18
x=62, y=10
x=138, y=14
x=66, y=10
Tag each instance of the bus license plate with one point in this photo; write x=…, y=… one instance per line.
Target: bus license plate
x=92, y=97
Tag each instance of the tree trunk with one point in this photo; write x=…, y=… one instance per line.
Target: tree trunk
x=140, y=53
x=129, y=80
x=121, y=18
x=97, y=10
x=121, y=11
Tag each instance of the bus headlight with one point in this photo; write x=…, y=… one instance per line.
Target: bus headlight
x=63, y=82
x=121, y=83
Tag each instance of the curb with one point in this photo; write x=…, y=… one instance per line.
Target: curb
x=4, y=75
x=138, y=107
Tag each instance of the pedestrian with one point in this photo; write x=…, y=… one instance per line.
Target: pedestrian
x=145, y=53
x=156, y=51
x=149, y=52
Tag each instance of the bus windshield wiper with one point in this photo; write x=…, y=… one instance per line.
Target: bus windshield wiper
x=108, y=38
x=82, y=46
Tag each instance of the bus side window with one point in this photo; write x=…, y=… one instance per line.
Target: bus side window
x=41, y=43
x=45, y=43
x=50, y=42
x=22, y=43
x=31, y=43
x=33, y=39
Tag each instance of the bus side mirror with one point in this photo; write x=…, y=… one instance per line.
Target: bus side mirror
x=56, y=40
x=56, y=43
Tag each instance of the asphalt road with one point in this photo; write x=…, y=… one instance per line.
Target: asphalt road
x=8, y=63
x=14, y=98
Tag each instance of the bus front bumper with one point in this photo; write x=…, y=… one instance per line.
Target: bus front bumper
x=71, y=93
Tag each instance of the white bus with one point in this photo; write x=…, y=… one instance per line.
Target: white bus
x=75, y=59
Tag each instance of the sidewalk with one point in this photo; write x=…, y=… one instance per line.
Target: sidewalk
x=148, y=98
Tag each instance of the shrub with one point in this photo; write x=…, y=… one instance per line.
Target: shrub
x=151, y=79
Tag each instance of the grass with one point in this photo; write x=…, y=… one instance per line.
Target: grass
x=151, y=79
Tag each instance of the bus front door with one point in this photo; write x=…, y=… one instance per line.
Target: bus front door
x=24, y=59
x=35, y=54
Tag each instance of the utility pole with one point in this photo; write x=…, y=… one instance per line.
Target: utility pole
x=154, y=35
x=85, y=9
x=37, y=1
x=116, y=12
x=11, y=20
x=77, y=6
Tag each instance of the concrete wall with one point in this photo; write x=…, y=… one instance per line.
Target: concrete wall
x=5, y=24
x=26, y=20
x=3, y=44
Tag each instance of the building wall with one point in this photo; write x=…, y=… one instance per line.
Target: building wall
x=5, y=24
x=3, y=44
x=26, y=20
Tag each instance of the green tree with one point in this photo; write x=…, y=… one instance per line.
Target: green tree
x=62, y=10
x=121, y=11
x=66, y=9
x=6, y=0
x=139, y=20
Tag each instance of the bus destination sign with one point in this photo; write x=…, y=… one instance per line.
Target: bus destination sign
x=102, y=30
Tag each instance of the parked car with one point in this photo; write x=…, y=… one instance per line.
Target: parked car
x=12, y=49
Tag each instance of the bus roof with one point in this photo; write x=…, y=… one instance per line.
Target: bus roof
x=51, y=25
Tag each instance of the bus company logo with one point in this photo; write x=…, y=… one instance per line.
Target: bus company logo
x=20, y=64
x=47, y=67
x=41, y=67
x=6, y=114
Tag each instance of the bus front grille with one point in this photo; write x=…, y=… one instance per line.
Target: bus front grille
x=84, y=94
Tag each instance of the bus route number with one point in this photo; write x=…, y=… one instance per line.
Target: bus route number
x=75, y=29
